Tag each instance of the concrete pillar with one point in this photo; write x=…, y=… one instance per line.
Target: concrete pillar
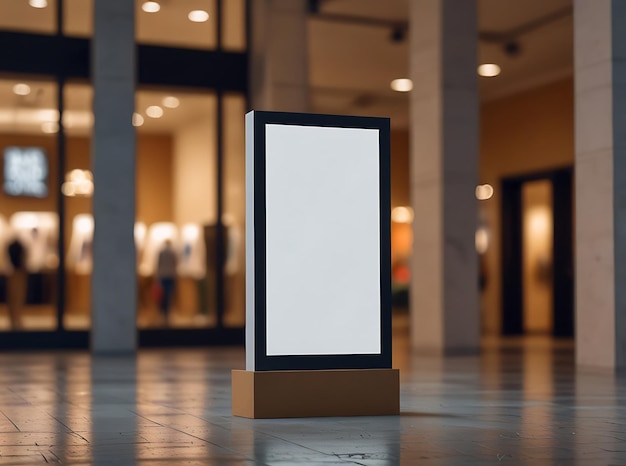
x=600, y=106
x=444, y=135
x=114, y=279
x=279, y=70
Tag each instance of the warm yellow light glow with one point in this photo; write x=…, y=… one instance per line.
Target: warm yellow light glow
x=190, y=232
x=402, y=85
x=21, y=89
x=50, y=127
x=154, y=111
x=140, y=232
x=484, y=192
x=84, y=223
x=38, y=3
x=482, y=240
x=68, y=189
x=489, y=70
x=137, y=119
x=171, y=102
x=539, y=221
x=150, y=7
x=47, y=115
x=198, y=16
x=78, y=183
x=402, y=215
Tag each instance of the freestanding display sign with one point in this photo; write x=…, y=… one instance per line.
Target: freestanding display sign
x=318, y=286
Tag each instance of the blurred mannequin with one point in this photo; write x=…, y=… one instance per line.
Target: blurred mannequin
x=166, y=274
x=17, y=282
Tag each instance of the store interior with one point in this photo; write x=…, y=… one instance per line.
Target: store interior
x=176, y=201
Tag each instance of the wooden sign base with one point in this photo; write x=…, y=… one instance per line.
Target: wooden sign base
x=283, y=394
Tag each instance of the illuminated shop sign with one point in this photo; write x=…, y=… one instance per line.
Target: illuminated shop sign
x=25, y=172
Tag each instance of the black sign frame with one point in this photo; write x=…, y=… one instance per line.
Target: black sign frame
x=262, y=361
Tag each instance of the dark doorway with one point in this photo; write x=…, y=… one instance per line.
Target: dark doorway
x=537, y=254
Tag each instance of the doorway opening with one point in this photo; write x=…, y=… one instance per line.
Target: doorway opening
x=537, y=255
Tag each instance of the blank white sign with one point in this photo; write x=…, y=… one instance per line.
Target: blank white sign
x=322, y=241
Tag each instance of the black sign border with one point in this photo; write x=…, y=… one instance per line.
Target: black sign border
x=263, y=362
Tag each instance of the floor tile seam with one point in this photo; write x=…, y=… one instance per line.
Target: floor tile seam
x=11, y=421
x=194, y=436
x=307, y=448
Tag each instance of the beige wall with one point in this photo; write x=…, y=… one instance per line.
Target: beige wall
x=526, y=133
x=194, y=173
x=154, y=179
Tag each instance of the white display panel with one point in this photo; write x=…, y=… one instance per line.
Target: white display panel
x=322, y=241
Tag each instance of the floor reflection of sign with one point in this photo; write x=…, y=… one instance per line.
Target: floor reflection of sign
x=25, y=172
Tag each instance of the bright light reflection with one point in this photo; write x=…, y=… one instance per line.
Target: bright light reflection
x=21, y=89
x=137, y=119
x=171, y=102
x=482, y=240
x=38, y=3
x=402, y=85
x=198, y=16
x=484, y=192
x=154, y=111
x=150, y=7
x=489, y=70
x=402, y=215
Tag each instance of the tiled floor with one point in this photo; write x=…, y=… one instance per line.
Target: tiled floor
x=519, y=403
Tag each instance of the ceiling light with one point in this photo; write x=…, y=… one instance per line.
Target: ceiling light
x=137, y=119
x=150, y=7
x=198, y=16
x=154, y=111
x=489, y=70
x=484, y=192
x=38, y=3
x=50, y=127
x=402, y=85
x=171, y=102
x=21, y=89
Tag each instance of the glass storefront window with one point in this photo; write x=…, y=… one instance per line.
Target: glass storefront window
x=78, y=18
x=234, y=210
x=35, y=16
x=234, y=25
x=186, y=24
x=176, y=204
x=77, y=191
x=28, y=204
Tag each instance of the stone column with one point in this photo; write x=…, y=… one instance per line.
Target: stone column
x=279, y=70
x=114, y=279
x=600, y=106
x=444, y=136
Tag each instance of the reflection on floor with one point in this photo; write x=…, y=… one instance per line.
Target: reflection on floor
x=521, y=402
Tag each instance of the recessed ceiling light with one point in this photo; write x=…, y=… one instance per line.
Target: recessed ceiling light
x=154, y=111
x=50, y=127
x=171, y=102
x=137, y=119
x=402, y=85
x=21, y=89
x=489, y=70
x=38, y=3
x=198, y=16
x=150, y=7
x=484, y=192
